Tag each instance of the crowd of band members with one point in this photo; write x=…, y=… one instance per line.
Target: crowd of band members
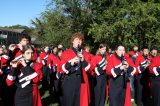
x=77, y=77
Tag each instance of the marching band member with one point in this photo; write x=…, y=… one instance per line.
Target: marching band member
x=15, y=49
x=75, y=64
x=155, y=71
x=43, y=57
x=99, y=63
x=133, y=54
x=142, y=79
x=26, y=75
x=3, y=73
x=120, y=67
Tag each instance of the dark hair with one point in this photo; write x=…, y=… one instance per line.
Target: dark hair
x=135, y=46
x=144, y=47
x=60, y=49
x=53, y=47
x=26, y=47
x=24, y=36
x=154, y=48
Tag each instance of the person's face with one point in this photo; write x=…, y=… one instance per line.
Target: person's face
x=60, y=53
x=24, y=42
x=110, y=50
x=135, y=48
x=154, y=52
x=145, y=52
x=28, y=54
x=87, y=49
x=46, y=49
x=102, y=50
x=120, y=51
x=1, y=51
x=55, y=50
x=77, y=42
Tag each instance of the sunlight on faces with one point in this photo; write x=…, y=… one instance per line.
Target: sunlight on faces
x=120, y=51
x=55, y=49
x=135, y=48
x=46, y=49
x=77, y=42
x=24, y=42
x=145, y=52
x=28, y=54
x=60, y=53
x=102, y=50
x=110, y=50
x=154, y=52
x=87, y=49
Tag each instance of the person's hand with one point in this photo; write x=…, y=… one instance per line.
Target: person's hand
x=81, y=56
x=147, y=65
x=104, y=67
x=126, y=65
x=22, y=61
x=43, y=62
x=75, y=60
x=135, y=55
x=12, y=47
x=13, y=64
x=122, y=67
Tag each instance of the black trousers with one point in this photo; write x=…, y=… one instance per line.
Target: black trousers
x=46, y=78
x=57, y=90
x=23, y=99
x=100, y=90
x=91, y=86
x=156, y=91
x=8, y=93
x=52, y=86
x=71, y=90
x=117, y=91
x=141, y=90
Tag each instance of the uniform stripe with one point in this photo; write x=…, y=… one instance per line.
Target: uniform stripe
x=155, y=71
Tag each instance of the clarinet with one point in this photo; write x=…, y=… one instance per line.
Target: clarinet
x=78, y=65
x=124, y=73
x=123, y=60
x=147, y=58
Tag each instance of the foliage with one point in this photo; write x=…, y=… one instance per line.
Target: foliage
x=128, y=23
x=113, y=22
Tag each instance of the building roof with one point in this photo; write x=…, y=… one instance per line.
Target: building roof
x=11, y=29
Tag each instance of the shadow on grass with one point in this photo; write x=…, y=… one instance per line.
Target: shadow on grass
x=46, y=98
x=49, y=101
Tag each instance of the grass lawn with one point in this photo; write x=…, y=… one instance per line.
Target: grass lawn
x=48, y=100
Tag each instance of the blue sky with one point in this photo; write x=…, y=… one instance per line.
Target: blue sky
x=13, y=12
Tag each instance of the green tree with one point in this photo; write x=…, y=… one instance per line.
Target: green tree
x=128, y=22
x=53, y=28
